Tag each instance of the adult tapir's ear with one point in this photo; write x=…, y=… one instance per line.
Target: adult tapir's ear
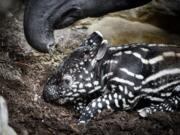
x=102, y=48
x=93, y=40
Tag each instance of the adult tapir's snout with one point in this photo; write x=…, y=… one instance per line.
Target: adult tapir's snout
x=42, y=17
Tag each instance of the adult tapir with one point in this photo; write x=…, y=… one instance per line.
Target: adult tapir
x=42, y=17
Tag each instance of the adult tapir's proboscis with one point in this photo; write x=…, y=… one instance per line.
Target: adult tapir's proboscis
x=42, y=17
x=96, y=76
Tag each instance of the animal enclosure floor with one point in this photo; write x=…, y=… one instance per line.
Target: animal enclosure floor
x=21, y=82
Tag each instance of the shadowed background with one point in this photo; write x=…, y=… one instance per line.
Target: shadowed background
x=23, y=71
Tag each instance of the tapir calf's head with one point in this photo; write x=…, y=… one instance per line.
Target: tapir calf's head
x=77, y=77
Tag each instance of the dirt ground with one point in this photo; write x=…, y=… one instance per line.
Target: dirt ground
x=23, y=74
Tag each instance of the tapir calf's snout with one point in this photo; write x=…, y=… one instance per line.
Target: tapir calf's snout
x=50, y=93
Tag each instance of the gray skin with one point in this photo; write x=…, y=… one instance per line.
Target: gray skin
x=42, y=17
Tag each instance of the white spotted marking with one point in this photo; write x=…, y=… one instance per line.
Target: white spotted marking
x=116, y=103
x=166, y=94
x=113, y=62
x=137, y=76
x=177, y=88
x=130, y=94
x=176, y=102
x=95, y=89
x=169, y=54
x=106, y=62
x=88, y=79
x=121, y=80
x=121, y=88
x=125, y=90
x=99, y=111
x=112, y=48
x=107, y=75
x=110, y=62
x=69, y=94
x=74, y=90
x=156, y=59
x=150, y=61
x=80, y=76
x=91, y=41
x=86, y=72
x=128, y=52
x=110, y=97
x=93, y=62
x=120, y=96
x=82, y=90
x=92, y=75
x=144, y=49
x=74, y=86
x=155, y=98
x=113, y=86
x=82, y=122
x=161, y=74
x=108, y=104
x=94, y=104
x=96, y=83
x=77, y=65
x=115, y=95
x=137, y=55
x=81, y=63
x=100, y=105
x=80, y=85
x=76, y=95
x=137, y=87
x=156, y=90
x=118, y=54
x=119, y=48
x=152, y=45
x=136, y=99
x=88, y=85
x=125, y=106
x=99, y=100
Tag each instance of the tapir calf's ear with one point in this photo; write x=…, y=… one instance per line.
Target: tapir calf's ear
x=94, y=39
x=102, y=48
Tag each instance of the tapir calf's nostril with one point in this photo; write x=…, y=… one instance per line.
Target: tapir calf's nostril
x=50, y=93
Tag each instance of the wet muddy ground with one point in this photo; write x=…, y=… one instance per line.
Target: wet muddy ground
x=23, y=74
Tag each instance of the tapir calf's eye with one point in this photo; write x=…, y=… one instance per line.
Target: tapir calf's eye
x=67, y=79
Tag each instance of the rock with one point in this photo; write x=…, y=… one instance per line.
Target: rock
x=7, y=6
x=161, y=13
x=167, y=7
x=157, y=22
x=119, y=30
x=5, y=129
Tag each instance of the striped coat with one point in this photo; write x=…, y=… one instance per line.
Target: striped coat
x=96, y=77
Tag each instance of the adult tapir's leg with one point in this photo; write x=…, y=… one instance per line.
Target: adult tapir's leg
x=43, y=16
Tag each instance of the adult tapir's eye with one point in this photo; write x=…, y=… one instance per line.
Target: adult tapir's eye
x=67, y=80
